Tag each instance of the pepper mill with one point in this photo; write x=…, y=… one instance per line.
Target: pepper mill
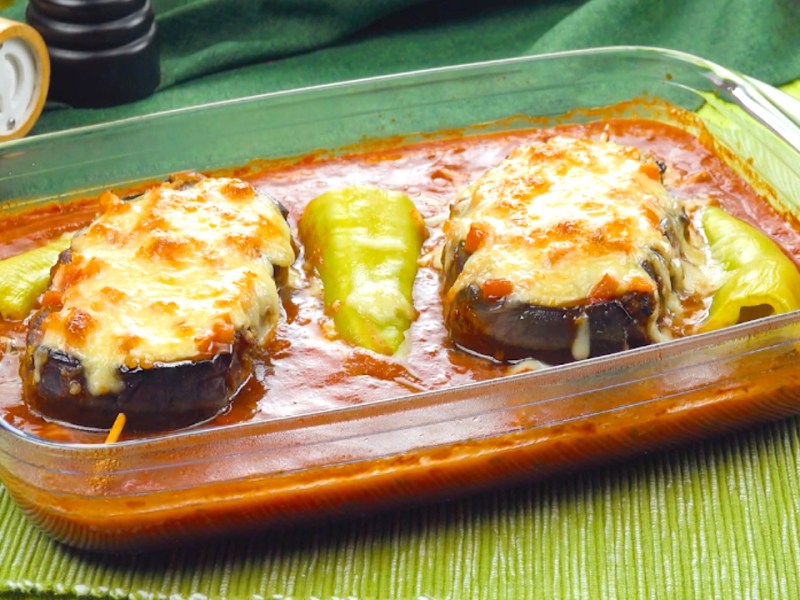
x=102, y=52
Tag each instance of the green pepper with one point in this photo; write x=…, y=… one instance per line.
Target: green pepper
x=24, y=276
x=364, y=242
x=761, y=279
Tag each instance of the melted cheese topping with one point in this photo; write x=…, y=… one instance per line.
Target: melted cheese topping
x=570, y=222
x=170, y=276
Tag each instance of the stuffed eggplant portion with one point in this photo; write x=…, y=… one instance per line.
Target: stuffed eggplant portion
x=570, y=248
x=157, y=306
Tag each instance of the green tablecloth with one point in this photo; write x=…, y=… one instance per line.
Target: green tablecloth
x=718, y=519
x=217, y=49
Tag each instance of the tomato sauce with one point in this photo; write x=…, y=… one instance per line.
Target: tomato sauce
x=305, y=368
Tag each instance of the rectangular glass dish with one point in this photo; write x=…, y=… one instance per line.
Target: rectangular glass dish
x=232, y=479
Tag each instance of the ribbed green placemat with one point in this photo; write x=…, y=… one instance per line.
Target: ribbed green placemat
x=718, y=519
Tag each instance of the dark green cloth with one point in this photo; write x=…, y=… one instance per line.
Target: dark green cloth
x=218, y=49
x=718, y=519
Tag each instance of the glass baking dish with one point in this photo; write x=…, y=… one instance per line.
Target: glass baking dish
x=232, y=479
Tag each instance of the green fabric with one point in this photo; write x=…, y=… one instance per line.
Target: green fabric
x=218, y=49
x=718, y=519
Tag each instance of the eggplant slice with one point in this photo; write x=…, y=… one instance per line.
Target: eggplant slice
x=568, y=249
x=508, y=331
x=157, y=308
x=167, y=395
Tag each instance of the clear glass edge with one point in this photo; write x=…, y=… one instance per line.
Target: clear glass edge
x=724, y=73
x=589, y=367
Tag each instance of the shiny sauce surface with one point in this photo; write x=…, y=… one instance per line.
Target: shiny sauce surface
x=305, y=368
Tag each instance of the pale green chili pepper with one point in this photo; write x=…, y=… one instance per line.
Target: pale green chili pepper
x=364, y=242
x=24, y=276
x=761, y=279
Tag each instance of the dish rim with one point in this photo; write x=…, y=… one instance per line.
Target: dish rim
x=723, y=72
x=754, y=102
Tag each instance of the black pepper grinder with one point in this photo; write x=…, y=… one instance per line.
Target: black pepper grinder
x=102, y=52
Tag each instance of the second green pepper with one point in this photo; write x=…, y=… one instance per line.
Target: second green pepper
x=761, y=279
x=24, y=276
x=364, y=243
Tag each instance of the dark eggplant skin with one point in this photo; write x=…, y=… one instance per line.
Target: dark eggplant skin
x=506, y=330
x=165, y=396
